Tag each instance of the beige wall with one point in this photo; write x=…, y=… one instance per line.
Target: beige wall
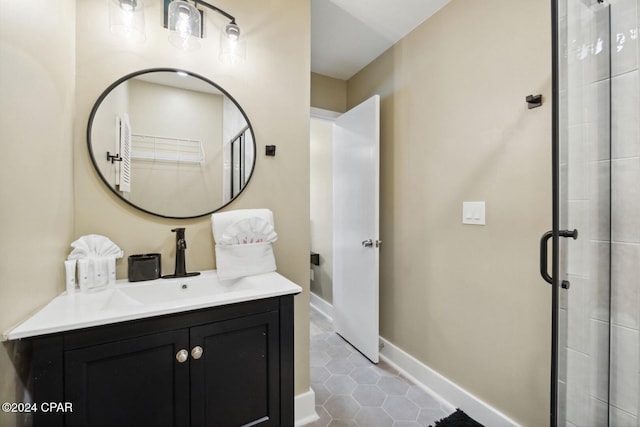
x=328, y=93
x=37, y=54
x=276, y=65
x=468, y=300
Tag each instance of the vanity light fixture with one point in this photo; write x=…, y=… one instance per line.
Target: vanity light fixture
x=185, y=23
x=126, y=19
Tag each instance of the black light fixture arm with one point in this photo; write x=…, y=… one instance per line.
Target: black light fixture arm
x=215, y=9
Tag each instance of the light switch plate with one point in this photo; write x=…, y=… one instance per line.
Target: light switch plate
x=473, y=213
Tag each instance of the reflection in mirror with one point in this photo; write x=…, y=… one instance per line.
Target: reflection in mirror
x=171, y=143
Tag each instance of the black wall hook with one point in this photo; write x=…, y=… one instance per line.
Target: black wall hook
x=534, y=101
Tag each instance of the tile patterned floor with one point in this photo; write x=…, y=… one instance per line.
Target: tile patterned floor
x=353, y=392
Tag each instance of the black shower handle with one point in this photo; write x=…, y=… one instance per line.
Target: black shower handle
x=544, y=272
x=543, y=256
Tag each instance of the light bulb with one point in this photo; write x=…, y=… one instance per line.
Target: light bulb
x=126, y=19
x=232, y=47
x=184, y=25
x=128, y=5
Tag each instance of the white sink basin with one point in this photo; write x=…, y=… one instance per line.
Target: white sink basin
x=178, y=290
x=103, y=300
x=118, y=300
x=126, y=301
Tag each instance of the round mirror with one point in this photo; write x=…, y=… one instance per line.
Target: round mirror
x=171, y=143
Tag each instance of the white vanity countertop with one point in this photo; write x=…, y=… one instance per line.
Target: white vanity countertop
x=136, y=300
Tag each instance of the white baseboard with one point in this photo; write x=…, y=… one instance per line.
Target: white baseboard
x=451, y=395
x=449, y=392
x=305, y=408
x=324, y=307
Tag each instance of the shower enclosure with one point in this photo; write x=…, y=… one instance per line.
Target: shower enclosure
x=595, y=241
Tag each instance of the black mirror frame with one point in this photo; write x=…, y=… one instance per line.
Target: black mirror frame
x=108, y=90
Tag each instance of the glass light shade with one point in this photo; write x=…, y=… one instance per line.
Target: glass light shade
x=184, y=25
x=233, y=48
x=126, y=19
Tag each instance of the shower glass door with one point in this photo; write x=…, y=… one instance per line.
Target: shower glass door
x=582, y=222
x=596, y=277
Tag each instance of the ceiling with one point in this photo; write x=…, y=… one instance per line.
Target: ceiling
x=346, y=35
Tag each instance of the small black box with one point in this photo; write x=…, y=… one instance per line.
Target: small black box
x=144, y=267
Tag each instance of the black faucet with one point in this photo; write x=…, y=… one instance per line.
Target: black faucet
x=181, y=245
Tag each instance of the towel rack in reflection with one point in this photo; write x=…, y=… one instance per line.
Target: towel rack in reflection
x=159, y=148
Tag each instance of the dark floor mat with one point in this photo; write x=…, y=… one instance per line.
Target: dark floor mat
x=457, y=419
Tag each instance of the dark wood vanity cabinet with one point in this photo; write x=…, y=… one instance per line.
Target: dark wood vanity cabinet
x=218, y=367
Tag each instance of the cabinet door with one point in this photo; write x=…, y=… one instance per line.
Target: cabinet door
x=236, y=382
x=133, y=382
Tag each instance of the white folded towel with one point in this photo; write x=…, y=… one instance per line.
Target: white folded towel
x=248, y=230
x=96, y=257
x=235, y=261
x=94, y=246
x=244, y=240
x=220, y=221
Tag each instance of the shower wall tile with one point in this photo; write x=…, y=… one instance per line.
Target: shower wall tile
x=577, y=261
x=578, y=148
x=625, y=284
x=564, y=199
x=578, y=318
x=598, y=118
x=624, y=27
x=577, y=387
x=562, y=351
x=624, y=369
x=599, y=412
x=599, y=286
x=625, y=115
x=575, y=102
x=625, y=200
x=597, y=44
x=620, y=418
x=563, y=117
x=562, y=403
x=599, y=360
x=599, y=195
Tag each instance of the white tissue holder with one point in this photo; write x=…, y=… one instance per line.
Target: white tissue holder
x=96, y=273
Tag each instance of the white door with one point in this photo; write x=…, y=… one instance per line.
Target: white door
x=356, y=187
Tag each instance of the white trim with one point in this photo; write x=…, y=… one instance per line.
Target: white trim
x=319, y=113
x=305, y=408
x=325, y=308
x=450, y=393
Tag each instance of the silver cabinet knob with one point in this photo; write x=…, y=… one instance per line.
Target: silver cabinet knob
x=182, y=356
x=196, y=352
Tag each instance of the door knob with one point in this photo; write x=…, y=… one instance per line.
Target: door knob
x=182, y=356
x=196, y=352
